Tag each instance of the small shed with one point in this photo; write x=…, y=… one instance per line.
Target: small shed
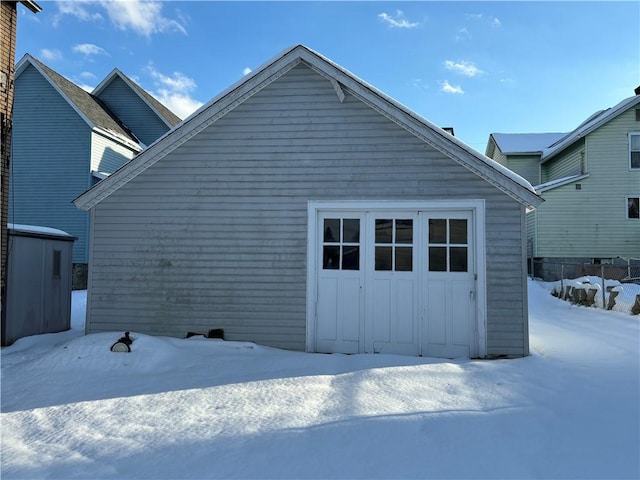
x=39, y=272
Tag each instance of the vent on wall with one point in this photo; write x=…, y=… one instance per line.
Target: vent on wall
x=578, y=186
x=637, y=114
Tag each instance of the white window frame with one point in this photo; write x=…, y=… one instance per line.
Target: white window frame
x=626, y=207
x=632, y=134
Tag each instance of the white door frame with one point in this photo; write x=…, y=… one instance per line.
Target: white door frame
x=478, y=343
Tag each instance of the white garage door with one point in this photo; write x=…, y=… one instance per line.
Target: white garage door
x=398, y=281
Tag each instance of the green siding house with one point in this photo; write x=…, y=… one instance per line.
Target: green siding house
x=590, y=181
x=65, y=139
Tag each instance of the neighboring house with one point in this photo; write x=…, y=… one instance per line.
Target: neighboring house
x=66, y=139
x=590, y=181
x=304, y=209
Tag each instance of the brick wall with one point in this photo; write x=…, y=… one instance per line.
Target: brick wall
x=8, y=21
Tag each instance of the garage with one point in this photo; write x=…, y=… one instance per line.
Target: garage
x=396, y=278
x=304, y=209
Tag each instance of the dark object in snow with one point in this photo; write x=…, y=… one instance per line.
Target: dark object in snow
x=123, y=344
x=216, y=333
x=213, y=333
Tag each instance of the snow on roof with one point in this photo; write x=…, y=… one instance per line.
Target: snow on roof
x=523, y=143
x=590, y=124
x=37, y=230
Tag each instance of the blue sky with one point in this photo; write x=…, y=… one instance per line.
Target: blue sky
x=480, y=67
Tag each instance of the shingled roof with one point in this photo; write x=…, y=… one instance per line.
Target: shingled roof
x=94, y=110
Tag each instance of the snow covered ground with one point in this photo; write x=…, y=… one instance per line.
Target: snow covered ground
x=201, y=408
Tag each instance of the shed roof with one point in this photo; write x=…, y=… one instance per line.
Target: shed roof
x=39, y=232
x=166, y=115
x=90, y=108
x=341, y=80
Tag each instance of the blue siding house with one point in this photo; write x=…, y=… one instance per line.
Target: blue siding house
x=66, y=139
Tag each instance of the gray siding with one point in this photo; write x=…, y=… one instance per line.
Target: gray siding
x=133, y=111
x=50, y=156
x=214, y=234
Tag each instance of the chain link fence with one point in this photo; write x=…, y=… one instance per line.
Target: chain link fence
x=614, y=286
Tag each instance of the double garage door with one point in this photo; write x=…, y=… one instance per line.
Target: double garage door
x=394, y=281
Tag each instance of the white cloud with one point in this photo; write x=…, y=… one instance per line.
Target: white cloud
x=89, y=49
x=179, y=81
x=463, y=33
x=467, y=69
x=493, y=21
x=50, y=55
x=86, y=88
x=397, y=21
x=78, y=9
x=87, y=75
x=246, y=71
x=174, y=91
x=142, y=17
x=418, y=83
x=180, y=104
x=448, y=88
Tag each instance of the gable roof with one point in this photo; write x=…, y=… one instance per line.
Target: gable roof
x=589, y=125
x=524, y=143
x=90, y=108
x=341, y=80
x=166, y=115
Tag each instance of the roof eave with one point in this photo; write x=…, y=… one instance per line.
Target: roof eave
x=597, y=123
x=33, y=6
x=433, y=135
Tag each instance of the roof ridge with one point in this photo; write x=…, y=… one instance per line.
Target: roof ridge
x=156, y=104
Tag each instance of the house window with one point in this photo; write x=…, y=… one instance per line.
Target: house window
x=634, y=150
x=633, y=207
x=341, y=244
x=394, y=245
x=448, y=245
